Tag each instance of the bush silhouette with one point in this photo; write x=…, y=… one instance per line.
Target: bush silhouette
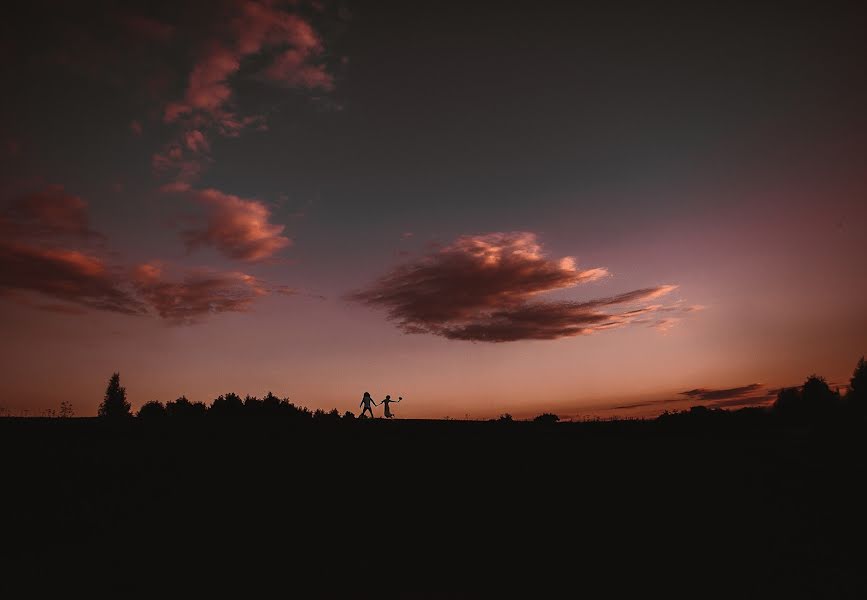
x=546, y=418
x=152, y=410
x=114, y=405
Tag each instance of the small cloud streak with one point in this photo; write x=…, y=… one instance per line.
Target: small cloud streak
x=723, y=394
x=483, y=288
x=753, y=394
x=239, y=228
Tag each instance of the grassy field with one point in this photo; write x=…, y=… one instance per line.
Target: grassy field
x=430, y=509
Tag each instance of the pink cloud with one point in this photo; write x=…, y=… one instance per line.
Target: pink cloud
x=292, y=68
x=237, y=227
x=196, y=142
x=197, y=294
x=180, y=162
x=254, y=28
x=483, y=288
x=135, y=127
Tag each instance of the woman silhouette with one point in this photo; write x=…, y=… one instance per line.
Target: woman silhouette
x=385, y=403
x=365, y=402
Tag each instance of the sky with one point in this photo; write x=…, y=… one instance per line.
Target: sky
x=604, y=210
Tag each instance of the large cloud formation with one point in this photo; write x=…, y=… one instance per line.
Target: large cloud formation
x=483, y=288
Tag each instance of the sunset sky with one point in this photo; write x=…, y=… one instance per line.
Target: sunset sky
x=481, y=207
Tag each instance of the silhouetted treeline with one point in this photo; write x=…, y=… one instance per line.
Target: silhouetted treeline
x=813, y=401
x=230, y=406
x=816, y=400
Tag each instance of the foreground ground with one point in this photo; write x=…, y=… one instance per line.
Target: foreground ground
x=433, y=509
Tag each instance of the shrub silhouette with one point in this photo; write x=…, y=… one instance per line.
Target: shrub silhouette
x=66, y=410
x=152, y=410
x=546, y=418
x=114, y=405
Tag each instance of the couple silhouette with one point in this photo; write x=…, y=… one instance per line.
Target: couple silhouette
x=366, y=401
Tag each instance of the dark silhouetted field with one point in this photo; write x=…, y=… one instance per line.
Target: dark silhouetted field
x=709, y=506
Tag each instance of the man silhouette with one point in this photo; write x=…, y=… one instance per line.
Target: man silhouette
x=365, y=402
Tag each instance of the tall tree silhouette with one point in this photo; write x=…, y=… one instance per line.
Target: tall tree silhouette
x=114, y=405
x=858, y=383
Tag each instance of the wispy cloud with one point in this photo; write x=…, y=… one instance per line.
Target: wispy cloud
x=722, y=394
x=483, y=288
